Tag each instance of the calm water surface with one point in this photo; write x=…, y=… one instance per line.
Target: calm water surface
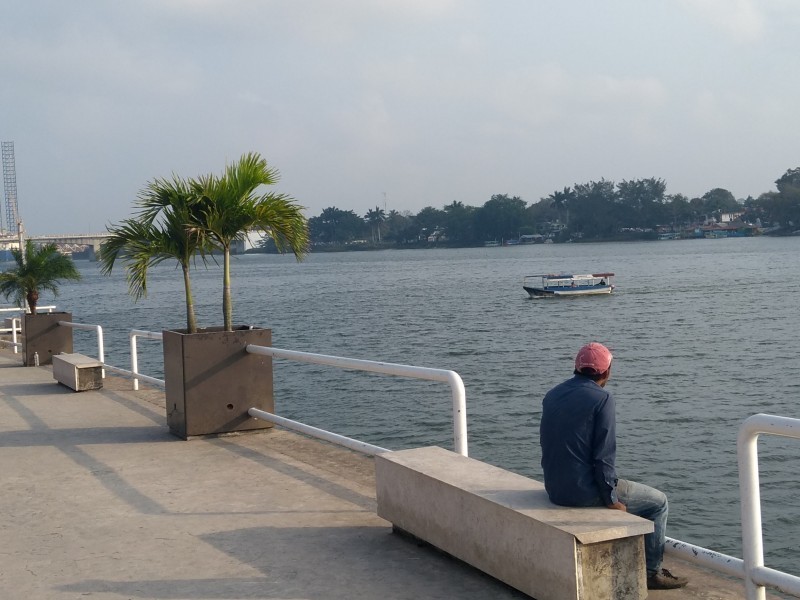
x=704, y=334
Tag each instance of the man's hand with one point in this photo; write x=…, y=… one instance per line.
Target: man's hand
x=618, y=506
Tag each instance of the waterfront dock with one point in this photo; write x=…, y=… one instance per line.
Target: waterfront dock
x=100, y=501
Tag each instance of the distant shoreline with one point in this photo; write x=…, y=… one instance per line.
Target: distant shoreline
x=632, y=237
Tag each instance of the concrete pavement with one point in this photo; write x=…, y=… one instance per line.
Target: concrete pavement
x=100, y=501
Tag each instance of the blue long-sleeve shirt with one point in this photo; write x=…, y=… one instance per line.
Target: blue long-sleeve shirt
x=578, y=438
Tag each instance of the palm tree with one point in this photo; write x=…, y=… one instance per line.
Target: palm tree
x=163, y=230
x=375, y=219
x=561, y=202
x=230, y=208
x=39, y=268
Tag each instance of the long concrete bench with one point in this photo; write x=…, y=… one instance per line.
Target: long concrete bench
x=503, y=524
x=78, y=372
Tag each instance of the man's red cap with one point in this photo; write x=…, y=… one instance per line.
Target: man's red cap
x=593, y=356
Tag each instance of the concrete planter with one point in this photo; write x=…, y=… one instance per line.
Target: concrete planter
x=211, y=381
x=41, y=334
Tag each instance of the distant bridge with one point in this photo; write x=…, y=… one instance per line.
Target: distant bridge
x=65, y=241
x=74, y=242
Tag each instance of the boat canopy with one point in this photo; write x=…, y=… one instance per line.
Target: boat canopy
x=570, y=275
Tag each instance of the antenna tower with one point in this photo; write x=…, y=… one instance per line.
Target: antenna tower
x=10, y=190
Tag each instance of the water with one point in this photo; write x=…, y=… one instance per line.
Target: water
x=704, y=334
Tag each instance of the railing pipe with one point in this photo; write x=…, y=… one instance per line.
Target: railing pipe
x=126, y=373
x=756, y=574
x=716, y=561
x=97, y=328
x=328, y=436
x=148, y=335
x=48, y=308
x=450, y=377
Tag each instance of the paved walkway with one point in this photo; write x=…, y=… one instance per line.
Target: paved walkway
x=99, y=501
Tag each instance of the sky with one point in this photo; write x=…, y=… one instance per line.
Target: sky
x=394, y=104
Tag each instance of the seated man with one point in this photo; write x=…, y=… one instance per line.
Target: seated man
x=578, y=439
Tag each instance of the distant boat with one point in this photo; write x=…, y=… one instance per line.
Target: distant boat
x=491, y=244
x=567, y=284
x=531, y=239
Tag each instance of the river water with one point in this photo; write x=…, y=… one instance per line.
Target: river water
x=704, y=334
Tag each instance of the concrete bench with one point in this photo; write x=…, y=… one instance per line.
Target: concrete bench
x=503, y=524
x=78, y=372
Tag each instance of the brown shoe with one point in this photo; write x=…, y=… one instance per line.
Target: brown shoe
x=665, y=581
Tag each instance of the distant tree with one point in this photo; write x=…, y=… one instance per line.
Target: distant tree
x=680, y=210
x=790, y=179
x=351, y=227
x=327, y=223
x=560, y=201
x=397, y=224
x=500, y=218
x=428, y=220
x=375, y=219
x=719, y=200
x=458, y=222
x=541, y=215
x=642, y=201
x=595, y=210
x=38, y=269
x=782, y=209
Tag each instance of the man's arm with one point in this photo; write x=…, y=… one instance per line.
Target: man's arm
x=604, y=451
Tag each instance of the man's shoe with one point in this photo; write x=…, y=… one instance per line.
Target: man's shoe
x=665, y=581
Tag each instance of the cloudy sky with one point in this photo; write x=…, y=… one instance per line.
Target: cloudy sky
x=399, y=104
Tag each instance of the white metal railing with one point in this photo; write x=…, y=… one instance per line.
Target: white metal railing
x=450, y=377
x=756, y=575
x=147, y=335
x=328, y=436
x=97, y=328
x=134, y=372
x=22, y=310
x=135, y=376
x=15, y=327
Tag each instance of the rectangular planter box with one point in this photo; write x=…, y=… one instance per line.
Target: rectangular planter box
x=42, y=334
x=211, y=381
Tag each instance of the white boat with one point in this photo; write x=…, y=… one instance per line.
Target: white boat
x=568, y=284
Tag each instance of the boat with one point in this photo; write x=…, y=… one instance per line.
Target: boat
x=568, y=284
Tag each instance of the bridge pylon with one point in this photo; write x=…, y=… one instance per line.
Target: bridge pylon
x=9, y=191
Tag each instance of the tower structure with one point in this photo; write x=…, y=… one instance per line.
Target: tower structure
x=9, y=191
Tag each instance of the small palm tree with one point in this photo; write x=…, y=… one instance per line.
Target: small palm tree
x=38, y=269
x=163, y=230
x=230, y=208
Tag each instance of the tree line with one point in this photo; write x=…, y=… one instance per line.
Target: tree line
x=594, y=211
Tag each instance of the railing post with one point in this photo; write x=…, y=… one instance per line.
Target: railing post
x=752, y=545
x=134, y=360
x=101, y=353
x=459, y=413
x=757, y=576
x=15, y=322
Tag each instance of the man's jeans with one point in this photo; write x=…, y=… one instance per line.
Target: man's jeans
x=648, y=503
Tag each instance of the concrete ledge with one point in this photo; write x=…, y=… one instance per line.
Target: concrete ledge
x=503, y=524
x=78, y=372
